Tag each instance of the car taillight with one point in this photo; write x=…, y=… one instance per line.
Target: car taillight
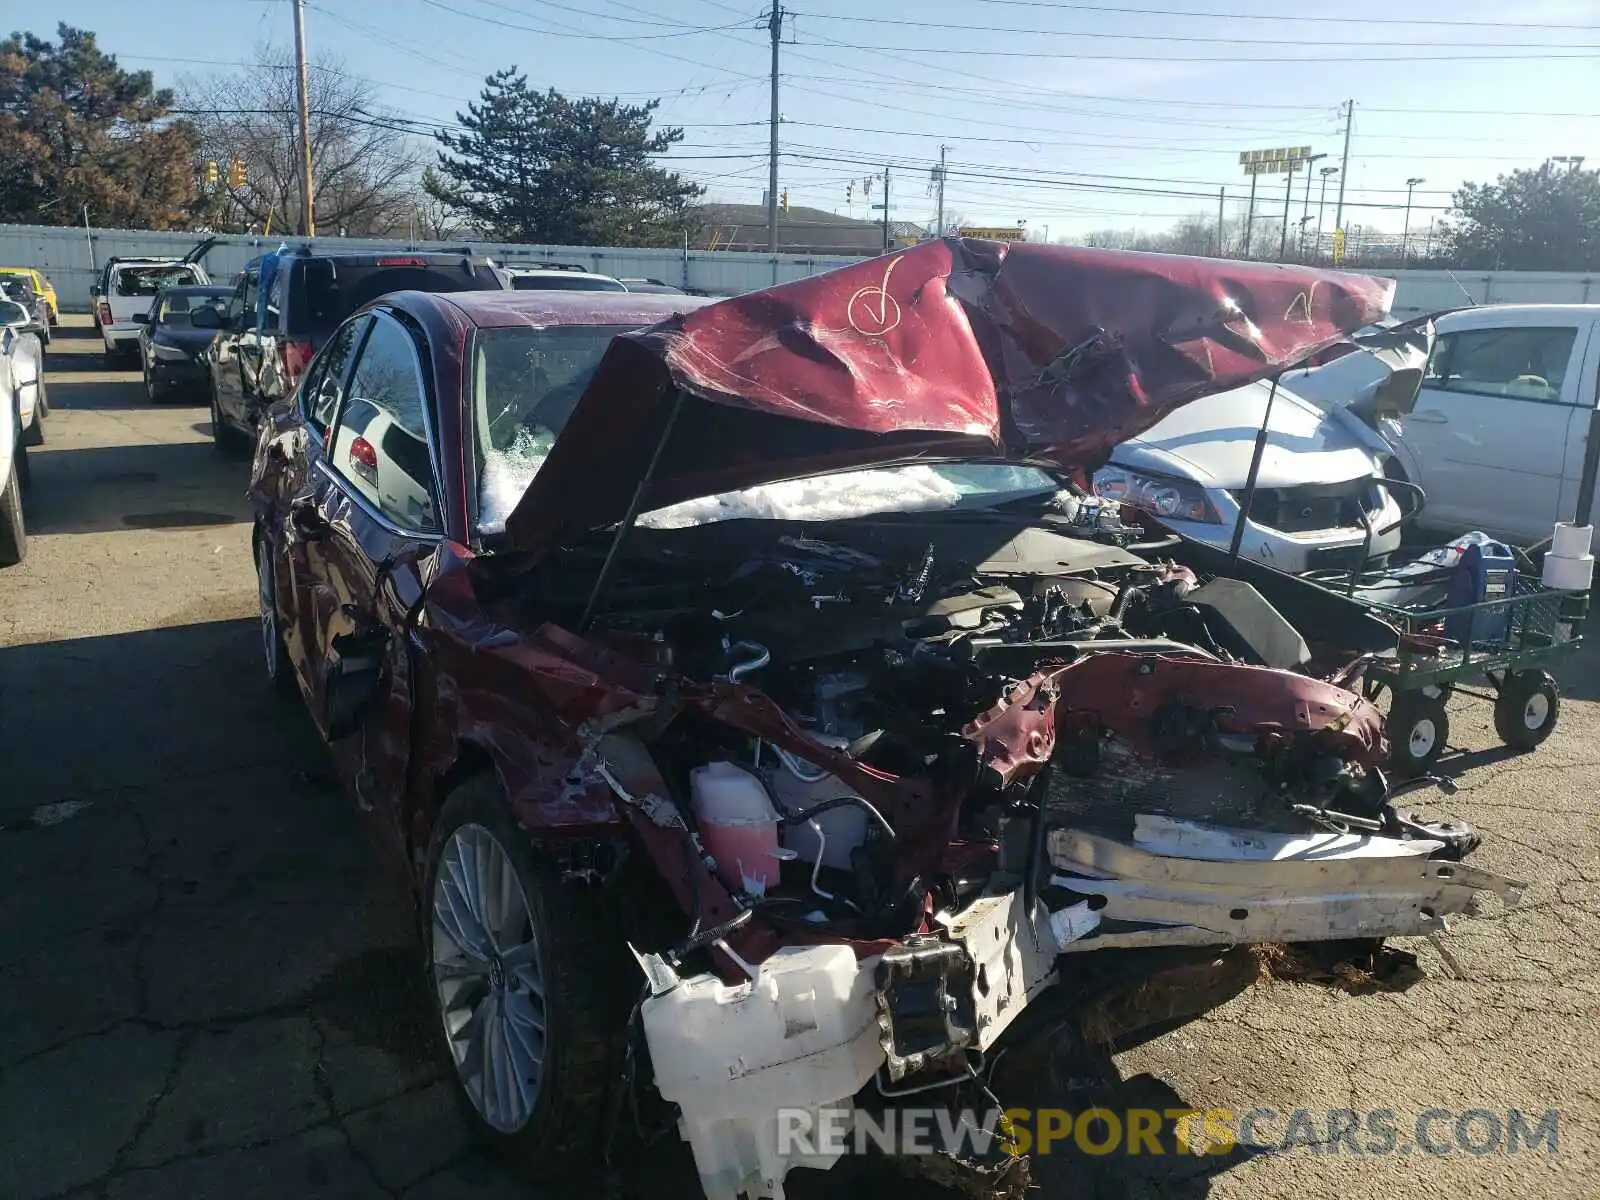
x=296, y=357
x=401, y=262
x=362, y=454
x=105, y=313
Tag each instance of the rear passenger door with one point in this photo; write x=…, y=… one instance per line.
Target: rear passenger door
x=377, y=495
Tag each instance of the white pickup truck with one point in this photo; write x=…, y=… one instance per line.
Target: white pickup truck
x=1497, y=433
x=128, y=286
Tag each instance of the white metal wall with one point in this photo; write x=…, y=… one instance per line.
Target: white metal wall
x=63, y=254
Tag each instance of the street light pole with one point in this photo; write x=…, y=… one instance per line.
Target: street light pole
x=1305, y=209
x=1322, y=203
x=1405, y=236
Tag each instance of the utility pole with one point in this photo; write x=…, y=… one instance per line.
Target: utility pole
x=1405, y=235
x=1222, y=199
x=886, y=208
x=1250, y=216
x=1288, y=199
x=1344, y=163
x=938, y=176
x=775, y=28
x=1322, y=203
x=309, y=218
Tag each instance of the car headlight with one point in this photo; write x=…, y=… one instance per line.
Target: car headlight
x=1161, y=496
x=169, y=353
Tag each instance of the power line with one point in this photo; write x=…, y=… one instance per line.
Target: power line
x=1212, y=14
x=1106, y=35
x=982, y=52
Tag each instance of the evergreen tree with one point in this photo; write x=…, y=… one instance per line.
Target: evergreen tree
x=76, y=129
x=535, y=166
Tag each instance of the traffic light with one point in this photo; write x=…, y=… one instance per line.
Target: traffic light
x=211, y=173
x=850, y=191
x=236, y=173
x=785, y=199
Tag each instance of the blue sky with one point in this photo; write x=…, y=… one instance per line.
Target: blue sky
x=1075, y=116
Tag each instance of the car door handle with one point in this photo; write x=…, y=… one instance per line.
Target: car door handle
x=1430, y=416
x=308, y=522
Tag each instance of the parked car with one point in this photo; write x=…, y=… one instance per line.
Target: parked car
x=797, y=764
x=1496, y=434
x=36, y=279
x=657, y=287
x=22, y=412
x=24, y=334
x=19, y=288
x=562, y=277
x=127, y=287
x=171, y=346
x=1320, y=479
x=269, y=335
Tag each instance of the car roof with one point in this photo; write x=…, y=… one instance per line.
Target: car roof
x=496, y=310
x=1491, y=315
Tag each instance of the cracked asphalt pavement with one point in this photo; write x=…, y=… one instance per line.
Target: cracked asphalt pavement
x=213, y=990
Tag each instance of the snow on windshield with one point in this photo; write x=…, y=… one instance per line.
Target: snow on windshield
x=820, y=498
x=508, y=472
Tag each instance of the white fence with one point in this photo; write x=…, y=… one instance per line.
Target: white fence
x=66, y=255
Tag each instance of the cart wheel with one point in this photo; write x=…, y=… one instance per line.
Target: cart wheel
x=1527, y=709
x=1418, y=728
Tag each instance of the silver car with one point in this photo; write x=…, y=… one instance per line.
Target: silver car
x=1318, y=479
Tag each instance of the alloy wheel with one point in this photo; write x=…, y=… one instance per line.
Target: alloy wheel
x=486, y=974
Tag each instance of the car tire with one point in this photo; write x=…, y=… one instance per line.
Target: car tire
x=1418, y=728
x=151, y=391
x=22, y=467
x=276, y=658
x=55, y=318
x=13, y=530
x=1527, y=708
x=559, y=1011
x=41, y=402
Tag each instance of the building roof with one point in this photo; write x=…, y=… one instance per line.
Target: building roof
x=800, y=230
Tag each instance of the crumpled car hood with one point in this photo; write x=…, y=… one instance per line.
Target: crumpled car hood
x=1213, y=440
x=952, y=348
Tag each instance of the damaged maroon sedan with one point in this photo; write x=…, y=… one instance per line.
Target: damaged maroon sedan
x=775, y=650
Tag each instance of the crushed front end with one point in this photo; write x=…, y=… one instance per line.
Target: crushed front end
x=901, y=800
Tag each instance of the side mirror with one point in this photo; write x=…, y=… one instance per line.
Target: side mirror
x=141, y=318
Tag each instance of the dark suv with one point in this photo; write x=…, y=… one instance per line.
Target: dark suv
x=268, y=335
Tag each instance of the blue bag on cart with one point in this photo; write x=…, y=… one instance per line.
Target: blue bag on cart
x=1486, y=570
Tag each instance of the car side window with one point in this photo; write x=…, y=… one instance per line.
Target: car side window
x=1519, y=363
x=324, y=385
x=381, y=443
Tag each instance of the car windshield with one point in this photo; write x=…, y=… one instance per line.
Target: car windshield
x=555, y=281
x=148, y=280
x=176, y=309
x=526, y=383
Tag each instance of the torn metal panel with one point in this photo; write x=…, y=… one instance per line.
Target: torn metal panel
x=1013, y=956
x=949, y=348
x=1375, y=888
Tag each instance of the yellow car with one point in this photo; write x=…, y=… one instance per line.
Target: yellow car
x=42, y=286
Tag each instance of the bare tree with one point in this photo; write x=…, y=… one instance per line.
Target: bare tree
x=363, y=160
